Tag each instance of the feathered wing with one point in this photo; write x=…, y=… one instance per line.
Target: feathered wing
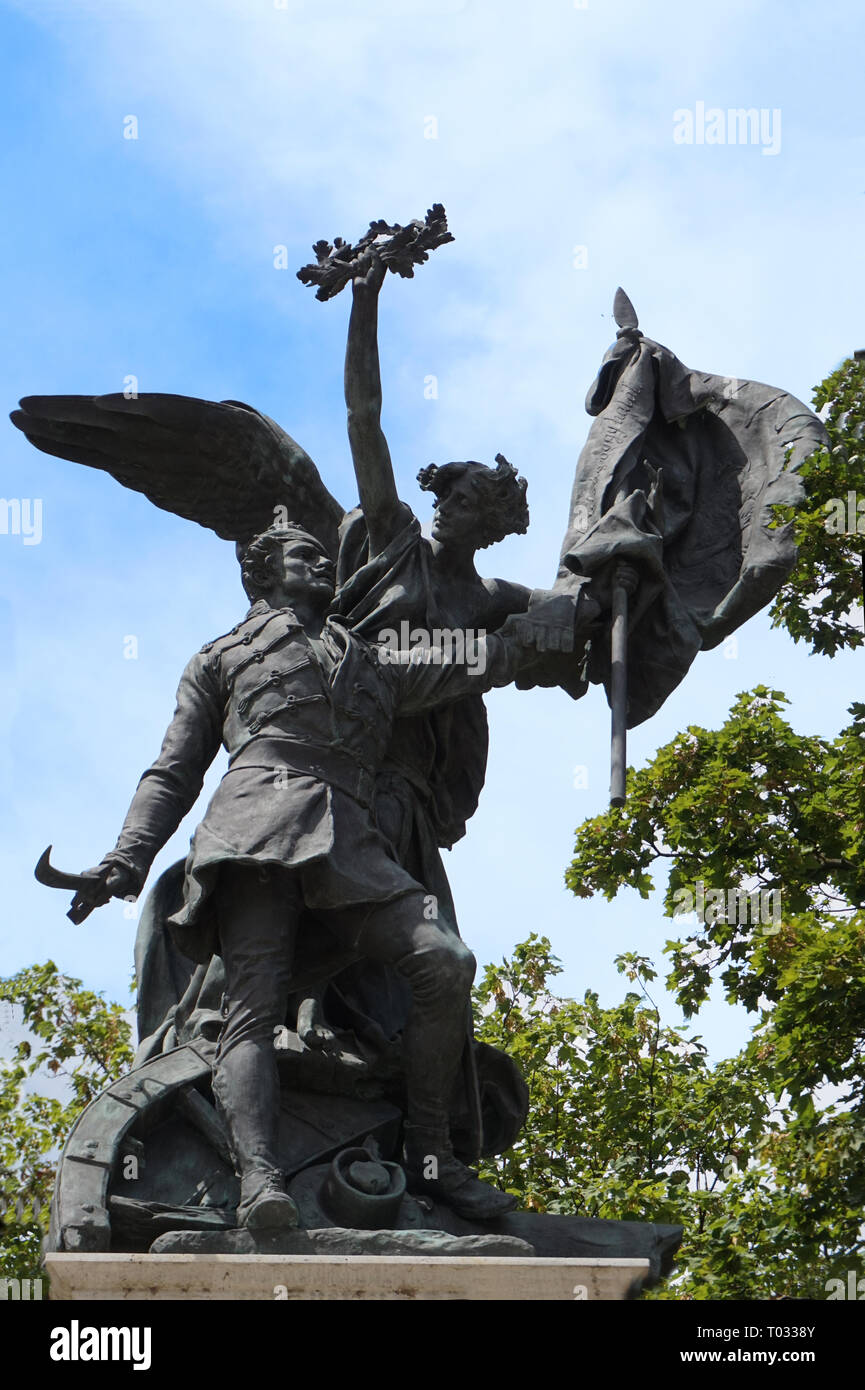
x=219, y=463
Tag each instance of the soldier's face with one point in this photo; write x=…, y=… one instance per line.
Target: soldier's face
x=307, y=571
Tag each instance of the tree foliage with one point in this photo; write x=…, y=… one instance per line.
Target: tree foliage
x=750, y=804
x=763, y=1165
x=78, y=1037
x=630, y=1121
x=821, y=603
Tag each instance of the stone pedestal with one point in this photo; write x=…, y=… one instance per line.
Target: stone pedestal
x=95, y=1277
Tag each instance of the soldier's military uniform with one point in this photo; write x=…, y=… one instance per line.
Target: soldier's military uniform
x=306, y=723
x=306, y=730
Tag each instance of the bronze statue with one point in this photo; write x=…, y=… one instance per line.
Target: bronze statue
x=313, y=908
x=305, y=709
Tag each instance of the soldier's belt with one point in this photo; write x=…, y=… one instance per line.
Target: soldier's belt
x=332, y=765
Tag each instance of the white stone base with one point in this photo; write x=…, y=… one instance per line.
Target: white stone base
x=87, y=1278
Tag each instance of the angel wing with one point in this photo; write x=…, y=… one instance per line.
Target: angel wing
x=219, y=463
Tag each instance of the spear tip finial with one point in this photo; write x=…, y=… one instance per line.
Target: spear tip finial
x=623, y=310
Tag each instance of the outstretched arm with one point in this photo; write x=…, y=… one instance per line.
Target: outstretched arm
x=475, y=665
x=505, y=598
x=371, y=457
x=170, y=787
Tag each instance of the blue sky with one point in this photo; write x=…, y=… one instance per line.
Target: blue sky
x=262, y=125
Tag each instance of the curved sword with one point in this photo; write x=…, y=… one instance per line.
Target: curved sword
x=89, y=889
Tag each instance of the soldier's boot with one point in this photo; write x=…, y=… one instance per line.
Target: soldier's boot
x=432, y=1170
x=264, y=1203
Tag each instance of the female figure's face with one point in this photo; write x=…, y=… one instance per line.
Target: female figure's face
x=456, y=520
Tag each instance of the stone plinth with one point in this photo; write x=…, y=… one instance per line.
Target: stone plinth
x=95, y=1277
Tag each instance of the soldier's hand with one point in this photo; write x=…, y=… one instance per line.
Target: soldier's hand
x=122, y=882
x=117, y=880
x=549, y=624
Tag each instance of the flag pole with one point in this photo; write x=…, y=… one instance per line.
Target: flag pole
x=618, y=693
x=626, y=318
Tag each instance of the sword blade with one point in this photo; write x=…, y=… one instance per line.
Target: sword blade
x=46, y=873
x=89, y=889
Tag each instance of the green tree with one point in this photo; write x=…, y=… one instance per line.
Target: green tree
x=628, y=1120
x=818, y=603
x=756, y=806
x=750, y=805
x=84, y=1040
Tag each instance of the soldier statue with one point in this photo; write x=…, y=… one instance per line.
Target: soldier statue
x=305, y=709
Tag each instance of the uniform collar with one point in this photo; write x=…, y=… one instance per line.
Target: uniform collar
x=259, y=608
x=262, y=609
